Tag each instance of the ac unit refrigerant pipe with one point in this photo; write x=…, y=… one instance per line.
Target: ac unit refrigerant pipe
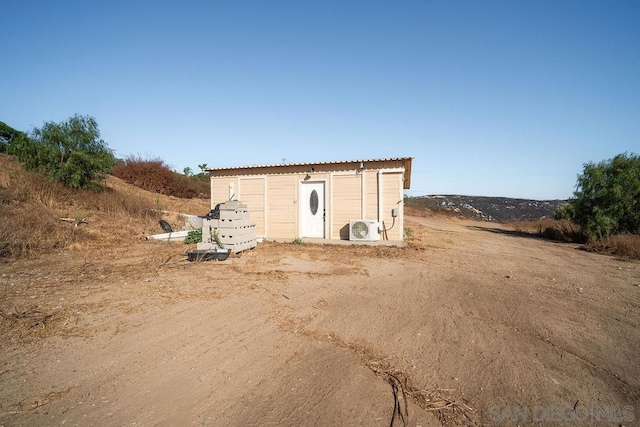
x=385, y=229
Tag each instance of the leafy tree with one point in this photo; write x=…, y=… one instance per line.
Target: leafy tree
x=8, y=135
x=202, y=167
x=187, y=171
x=70, y=152
x=564, y=211
x=607, y=197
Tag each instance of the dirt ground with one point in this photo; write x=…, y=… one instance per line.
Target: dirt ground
x=470, y=324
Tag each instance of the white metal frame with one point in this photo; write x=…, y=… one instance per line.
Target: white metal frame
x=324, y=204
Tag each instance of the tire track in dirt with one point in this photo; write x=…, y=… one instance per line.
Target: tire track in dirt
x=448, y=410
x=628, y=388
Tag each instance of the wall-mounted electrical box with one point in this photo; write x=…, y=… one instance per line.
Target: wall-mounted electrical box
x=394, y=212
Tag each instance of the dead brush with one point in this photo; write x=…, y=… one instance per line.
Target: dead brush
x=552, y=229
x=114, y=203
x=150, y=174
x=34, y=188
x=29, y=220
x=28, y=227
x=627, y=245
x=33, y=205
x=624, y=245
x=157, y=177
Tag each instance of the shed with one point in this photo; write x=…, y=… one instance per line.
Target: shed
x=317, y=200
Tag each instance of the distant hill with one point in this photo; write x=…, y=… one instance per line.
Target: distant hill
x=499, y=209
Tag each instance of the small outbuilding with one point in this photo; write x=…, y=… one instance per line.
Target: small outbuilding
x=357, y=200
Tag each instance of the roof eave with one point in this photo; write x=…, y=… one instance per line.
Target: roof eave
x=406, y=179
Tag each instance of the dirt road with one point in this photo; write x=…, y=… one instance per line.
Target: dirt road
x=473, y=324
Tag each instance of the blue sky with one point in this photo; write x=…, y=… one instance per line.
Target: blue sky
x=495, y=98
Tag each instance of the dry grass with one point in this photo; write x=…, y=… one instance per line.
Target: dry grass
x=624, y=245
x=25, y=230
x=32, y=205
x=552, y=229
x=29, y=217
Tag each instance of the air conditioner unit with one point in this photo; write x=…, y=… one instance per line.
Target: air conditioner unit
x=363, y=230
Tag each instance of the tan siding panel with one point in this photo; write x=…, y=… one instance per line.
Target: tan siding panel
x=391, y=186
x=281, y=206
x=347, y=204
x=371, y=196
x=220, y=189
x=276, y=215
x=251, y=193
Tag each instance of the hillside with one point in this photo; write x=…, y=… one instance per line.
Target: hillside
x=497, y=209
x=32, y=206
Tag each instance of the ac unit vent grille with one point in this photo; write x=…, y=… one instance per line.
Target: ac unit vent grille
x=363, y=230
x=360, y=230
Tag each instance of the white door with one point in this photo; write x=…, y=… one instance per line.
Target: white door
x=312, y=209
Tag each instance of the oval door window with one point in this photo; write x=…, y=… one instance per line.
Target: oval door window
x=313, y=202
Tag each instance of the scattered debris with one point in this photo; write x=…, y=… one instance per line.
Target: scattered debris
x=218, y=254
x=176, y=236
x=34, y=316
x=166, y=227
x=75, y=221
x=30, y=405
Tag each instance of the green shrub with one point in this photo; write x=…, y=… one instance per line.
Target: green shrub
x=8, y=135
x=70, y=152
x=607, y=197
x=194, y=236
x=408, y=232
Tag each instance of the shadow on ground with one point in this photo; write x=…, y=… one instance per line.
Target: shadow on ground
x=515, y=233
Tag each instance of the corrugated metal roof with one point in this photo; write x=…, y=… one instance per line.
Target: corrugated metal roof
x=390, y=159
